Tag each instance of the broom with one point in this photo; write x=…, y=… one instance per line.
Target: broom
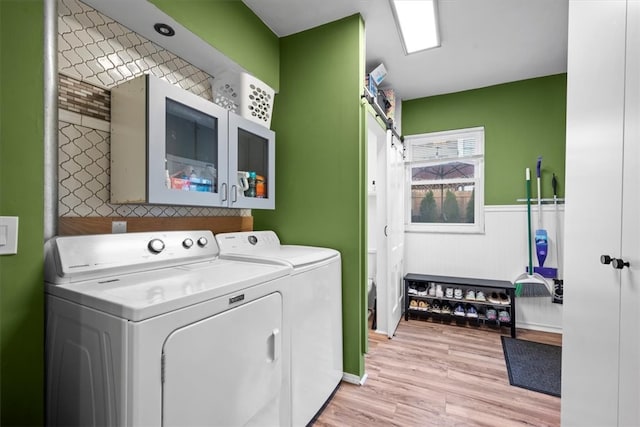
x=530, y=284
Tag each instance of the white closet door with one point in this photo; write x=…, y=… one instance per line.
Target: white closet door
x=394, y=232
x=595, y=113
x=226, y=370
x=629, y=409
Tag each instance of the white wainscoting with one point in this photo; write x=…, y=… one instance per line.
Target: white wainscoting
x=499, y=253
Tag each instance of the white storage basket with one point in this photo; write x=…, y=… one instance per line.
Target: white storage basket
x=244, y=95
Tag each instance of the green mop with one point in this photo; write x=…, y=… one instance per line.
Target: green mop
x=530, y=284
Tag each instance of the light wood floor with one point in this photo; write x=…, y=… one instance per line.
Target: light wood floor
x=431, y=374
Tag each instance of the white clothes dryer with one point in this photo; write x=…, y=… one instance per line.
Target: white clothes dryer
x=153, y=329
x=316, y=335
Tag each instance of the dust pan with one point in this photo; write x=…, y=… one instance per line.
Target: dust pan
x=530, y=284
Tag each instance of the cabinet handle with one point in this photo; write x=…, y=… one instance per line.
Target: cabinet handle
x=234, y=193
x=605, y=259
x=224, y=191
x=619, y=263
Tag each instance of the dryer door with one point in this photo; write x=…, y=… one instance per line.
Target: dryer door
x=226, y=369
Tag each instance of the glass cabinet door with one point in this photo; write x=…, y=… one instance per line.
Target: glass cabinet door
x=187, y=148
x=251, y=164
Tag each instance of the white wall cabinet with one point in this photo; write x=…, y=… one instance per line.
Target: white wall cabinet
x=601, y=358
x=170, y=146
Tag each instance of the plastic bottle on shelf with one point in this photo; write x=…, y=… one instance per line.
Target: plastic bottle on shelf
x=251, y=192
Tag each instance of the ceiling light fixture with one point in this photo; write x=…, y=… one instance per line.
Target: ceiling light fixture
x=417, y=24
x=164, y=29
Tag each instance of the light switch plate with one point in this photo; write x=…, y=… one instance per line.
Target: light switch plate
x=8, y=235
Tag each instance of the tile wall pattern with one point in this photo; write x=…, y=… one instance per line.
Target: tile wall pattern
x=96, y=53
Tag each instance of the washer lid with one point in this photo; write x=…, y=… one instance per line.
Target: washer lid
x=266, y=247
x=139, y=296
x=296, y=256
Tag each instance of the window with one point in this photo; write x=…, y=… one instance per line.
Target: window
x=446, y=170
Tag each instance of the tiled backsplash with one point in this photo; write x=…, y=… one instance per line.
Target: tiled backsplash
x=83, y=98
x=96, y=53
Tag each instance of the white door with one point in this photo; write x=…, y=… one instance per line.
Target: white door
x=226, y=370
x=394, y=231
x=629, y=371
x=389, y=226
x=600, y=324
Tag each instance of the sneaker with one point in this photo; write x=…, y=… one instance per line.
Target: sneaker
x=413, y=290
x=480, y=296
x=423, y=306
x=459, y=310
x=422, y=290
x=432, y=290
x=494, y=298
x=436, y=307
x=439, y=292
x=470, y=295
x=472, y=312
x=413, y=304
x=457, y=294
x=492, y=314
x=448, y=293
x=446, y=308
x=504, y=299
x=504, y=317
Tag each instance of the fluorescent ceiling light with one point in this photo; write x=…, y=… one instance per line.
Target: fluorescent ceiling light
x=416, y=21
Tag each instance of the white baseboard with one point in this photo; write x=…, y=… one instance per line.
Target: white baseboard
x=539, y=327
x=354, y=379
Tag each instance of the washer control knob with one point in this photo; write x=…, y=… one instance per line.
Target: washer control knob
x=187, y=243
x=156, y=246
x=202, y=242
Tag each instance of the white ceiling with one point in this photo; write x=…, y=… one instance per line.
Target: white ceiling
x=484, y=42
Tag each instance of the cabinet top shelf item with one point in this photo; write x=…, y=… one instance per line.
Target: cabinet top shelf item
x=487, y=283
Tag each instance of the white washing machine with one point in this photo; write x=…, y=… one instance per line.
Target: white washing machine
x=153, y=329
x=316, y=335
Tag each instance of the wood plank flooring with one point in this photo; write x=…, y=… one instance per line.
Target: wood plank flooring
x=432, y=374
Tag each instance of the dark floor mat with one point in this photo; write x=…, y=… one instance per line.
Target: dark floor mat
x=533, y=365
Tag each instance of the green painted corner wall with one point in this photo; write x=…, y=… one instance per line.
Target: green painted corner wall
x=21, y=194
x=522, y=121
x=320, y=159
x=232, y=28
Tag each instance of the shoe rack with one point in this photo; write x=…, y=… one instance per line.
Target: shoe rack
x=499, y=295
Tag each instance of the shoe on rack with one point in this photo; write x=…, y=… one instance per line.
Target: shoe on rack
x=446, y=308
x=504, y=298
x=493, y=298
x=480, y=296
x=491, y=314
x=470, y=295
x=422, y=290
x=472, y=312
x=439, y=292
x=435, y=307
x=413, y=304
x=459, y=310
x=448, y=293
x=432, y=290
x=412, y=289
x=457, y=293
x=423, y=306
x=504, y=317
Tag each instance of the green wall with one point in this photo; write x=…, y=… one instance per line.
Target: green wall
x=320, y=159
x=522, y=121
x=21, y=194
x=234, y=30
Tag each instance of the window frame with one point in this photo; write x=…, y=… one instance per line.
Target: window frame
x=478, y=159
